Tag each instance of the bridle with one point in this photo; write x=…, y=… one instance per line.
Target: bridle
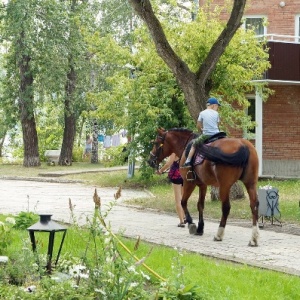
x=160, y=139
x=159, y=150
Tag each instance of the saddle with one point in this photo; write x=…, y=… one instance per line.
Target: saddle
x=198, y=158
x=217, y=136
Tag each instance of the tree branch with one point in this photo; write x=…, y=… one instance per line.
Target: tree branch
x=179, y=68
x=208, y=66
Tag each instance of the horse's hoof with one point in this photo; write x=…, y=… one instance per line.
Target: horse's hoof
x=199, y=233
x=216, y=239
x=192, y=228
x=252, y=244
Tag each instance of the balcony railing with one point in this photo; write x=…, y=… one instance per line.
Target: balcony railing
x=284, y=56
x=281, y=38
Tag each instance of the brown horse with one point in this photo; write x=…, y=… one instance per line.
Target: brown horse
x=226, y=161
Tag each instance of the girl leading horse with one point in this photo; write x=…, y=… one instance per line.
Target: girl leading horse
x=225, y=161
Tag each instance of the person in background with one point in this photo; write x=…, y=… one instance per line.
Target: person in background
x=88, y=147
x=174, y=176
x=208, y=124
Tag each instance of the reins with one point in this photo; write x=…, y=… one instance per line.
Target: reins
x=160, y=148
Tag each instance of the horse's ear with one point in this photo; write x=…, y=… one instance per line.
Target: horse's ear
x=160, y=129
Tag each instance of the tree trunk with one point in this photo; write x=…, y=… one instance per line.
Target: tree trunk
x=2, y=139
x=26, y=110
x=65, y=158
x=94, y=158
x=236, y=192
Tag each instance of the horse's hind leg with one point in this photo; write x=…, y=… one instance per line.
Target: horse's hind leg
x=224, y=196
x=251, y=189
x=200, y=206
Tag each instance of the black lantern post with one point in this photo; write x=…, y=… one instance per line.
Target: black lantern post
x=47, y=225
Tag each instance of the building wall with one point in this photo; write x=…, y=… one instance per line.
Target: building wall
x=281, y=20
x=281, y=123
x=281, y=112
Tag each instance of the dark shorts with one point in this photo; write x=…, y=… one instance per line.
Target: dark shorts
x=177, y=181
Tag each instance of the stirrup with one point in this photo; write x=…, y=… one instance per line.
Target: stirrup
x=192, y=176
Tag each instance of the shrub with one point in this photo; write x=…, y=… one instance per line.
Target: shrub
x=5, y=229
x=25, y=219
x=115, y=156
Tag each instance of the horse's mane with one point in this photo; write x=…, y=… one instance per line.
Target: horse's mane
x=181, y=130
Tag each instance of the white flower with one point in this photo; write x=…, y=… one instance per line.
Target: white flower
x=84, y=276
x=133, y=284
x=109, y=259
x=145, y=275
x=100, y=291
x=77, y=271
x=107, y=240
x=10, y=220
x=30, y=289
x=97, y=272
x=131, y=269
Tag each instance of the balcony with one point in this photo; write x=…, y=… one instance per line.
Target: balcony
x=284, y=56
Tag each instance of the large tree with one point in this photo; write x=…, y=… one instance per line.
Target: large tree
x=28, y=34
x=196, y=85
x=81, y=16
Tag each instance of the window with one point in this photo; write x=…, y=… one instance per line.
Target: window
x=255, y=23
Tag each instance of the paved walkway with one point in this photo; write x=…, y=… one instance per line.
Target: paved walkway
x=277, y=251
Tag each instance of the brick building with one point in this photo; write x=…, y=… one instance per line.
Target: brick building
x=277, y=135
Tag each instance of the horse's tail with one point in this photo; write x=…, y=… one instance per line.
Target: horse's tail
x=216, y=155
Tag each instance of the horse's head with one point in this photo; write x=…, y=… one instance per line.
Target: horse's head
x=157, y=154
x=167, y=142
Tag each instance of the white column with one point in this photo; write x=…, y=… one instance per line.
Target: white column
x=259, y=129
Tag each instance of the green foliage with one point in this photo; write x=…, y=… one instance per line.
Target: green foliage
x=115, y=156
x=145, y=95
x=77, y=154
x=5, y=231
x=25, y=219
x=175, y=287
x=20, y=268
x=245, y=59
x=50, y=35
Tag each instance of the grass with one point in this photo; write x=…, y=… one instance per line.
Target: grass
x=216, y=279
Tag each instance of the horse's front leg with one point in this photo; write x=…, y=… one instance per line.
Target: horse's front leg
x=224, y=197
x=200, y=206
x=188, y=188
x=254, y=209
